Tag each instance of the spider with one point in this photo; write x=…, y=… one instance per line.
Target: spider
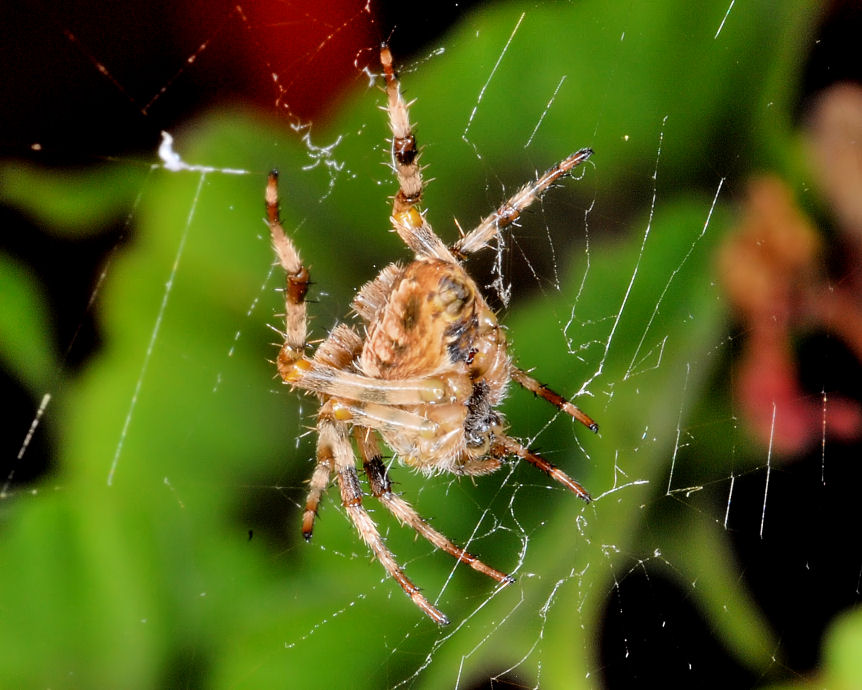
x=426, y=372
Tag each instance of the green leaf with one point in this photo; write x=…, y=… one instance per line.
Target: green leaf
x=26, y=334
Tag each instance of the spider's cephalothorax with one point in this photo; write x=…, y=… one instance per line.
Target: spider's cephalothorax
x=427, y=373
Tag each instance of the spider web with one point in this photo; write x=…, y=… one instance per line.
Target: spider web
x=155, y=468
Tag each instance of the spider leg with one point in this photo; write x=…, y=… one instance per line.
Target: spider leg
x=381, y=488
x=334, y=442
x=317, y=485
x=509, y=446
x=511, y=209
x=405, y=154
x=319, y=377
x=417, y=234
x=385, y=419
x=337, y=350
x=407, y=221
x=557, y=400
x=296, y=276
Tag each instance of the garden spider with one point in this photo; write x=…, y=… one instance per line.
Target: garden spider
x=426, y=373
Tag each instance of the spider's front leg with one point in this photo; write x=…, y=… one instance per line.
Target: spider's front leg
x=410, y=225
x=405, y=154
x=296, y=282
x=511, y=209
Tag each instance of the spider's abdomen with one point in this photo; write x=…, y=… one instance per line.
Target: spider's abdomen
x=434, y=322
x=425, y=325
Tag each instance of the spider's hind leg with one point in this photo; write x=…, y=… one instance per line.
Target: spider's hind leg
x=509, y=446
x=542, y=391
x=381, y=487
x=317, y=485
x=334, y=442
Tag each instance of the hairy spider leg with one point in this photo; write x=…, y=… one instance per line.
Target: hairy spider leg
x=318, y=483
x=405, y=154
x=407, y=221
x=296, y=276
x=318, y=377
x=542, y=391
x=384, y=418
x=381, y=488
x=333, y=444
x=511, y=209
x=510, y=446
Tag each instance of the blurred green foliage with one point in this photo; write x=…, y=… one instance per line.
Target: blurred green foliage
x=132, y=566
